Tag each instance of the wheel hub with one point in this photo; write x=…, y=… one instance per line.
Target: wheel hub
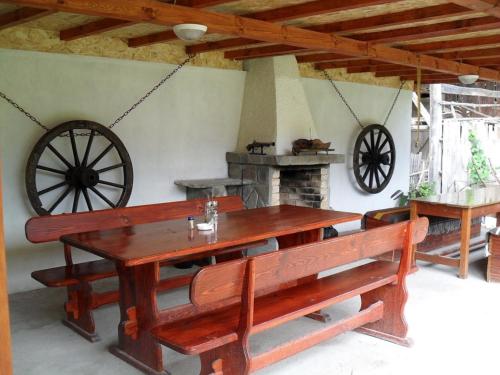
x=82, y=177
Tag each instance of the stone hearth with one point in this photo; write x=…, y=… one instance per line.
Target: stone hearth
x=283, y=179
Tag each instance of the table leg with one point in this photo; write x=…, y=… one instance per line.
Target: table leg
x=498, y=219
x=139, y=314
x=464, y=243
x=413, y=216
x=300, y=239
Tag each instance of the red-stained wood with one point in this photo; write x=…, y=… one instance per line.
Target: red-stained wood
x=92, y=28
x=78, y=277
x=5, y=347
x=50, y=228
x=357, y=25
x=493, y=268
x=220, y=336
x=238, y=26
x=162, y=241
x=453, y=45
x=487, y=6
x=22, y=15
x=280, y=14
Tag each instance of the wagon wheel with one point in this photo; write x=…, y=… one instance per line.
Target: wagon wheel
x=101, y=172
x=374, y=158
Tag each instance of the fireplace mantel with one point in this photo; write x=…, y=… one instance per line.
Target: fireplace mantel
x=284, y=160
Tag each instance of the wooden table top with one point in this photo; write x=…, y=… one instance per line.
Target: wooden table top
x=164, y=240
x=470, y=198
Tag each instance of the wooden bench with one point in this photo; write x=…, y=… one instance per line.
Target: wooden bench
x=81, y=299
x=231, y=301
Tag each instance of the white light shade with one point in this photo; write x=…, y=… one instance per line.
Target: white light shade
x=468, y=79
x=190, y=31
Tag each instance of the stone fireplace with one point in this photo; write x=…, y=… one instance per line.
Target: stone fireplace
x=283, y=179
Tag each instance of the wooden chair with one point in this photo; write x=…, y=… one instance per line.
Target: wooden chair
x=77, y=278
x=231, y=301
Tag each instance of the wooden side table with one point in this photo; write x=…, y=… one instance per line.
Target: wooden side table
x=493, y=271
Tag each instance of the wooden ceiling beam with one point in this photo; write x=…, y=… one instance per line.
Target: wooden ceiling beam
x=93, y=28
x=167, y=14
x=22, y=15
x=282, y=14
x=322, y=57
x=108, y=24
x=470, y=54
x=442, y=29
x=487, y=6
x=453, y=45
x=361, y=24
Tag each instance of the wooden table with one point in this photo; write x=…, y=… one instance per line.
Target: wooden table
x=137, y=251
x=465, y=206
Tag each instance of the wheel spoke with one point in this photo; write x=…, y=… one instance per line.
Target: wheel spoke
x=53, y=187
x=387, y=152
x=366, y=172
x=377, y=179
x=101, y=155
x=382, y=171
x=372, y=139
x=73, y=147
x=102, y=196
x=379, y=137
x=48, y=169
x=383, y=144
x=87, y=149
x=87, y=199
x=60, y=199
x=371, y=177
x=120, y=186
x=368, y=149
x=76, y=199
x=58, y=154
x=110, y=168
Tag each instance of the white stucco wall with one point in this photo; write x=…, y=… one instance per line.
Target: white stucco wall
x=182, y=131
x=335, y=123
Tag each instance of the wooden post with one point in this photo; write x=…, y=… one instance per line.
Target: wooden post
x=5, y=351
x=436, y=137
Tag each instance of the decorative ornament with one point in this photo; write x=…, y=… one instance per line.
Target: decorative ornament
x=86, y=174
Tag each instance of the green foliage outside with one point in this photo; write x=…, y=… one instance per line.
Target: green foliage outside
x=478, y=168
x=424, y=190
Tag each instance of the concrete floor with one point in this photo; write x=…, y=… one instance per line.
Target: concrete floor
x=454, y=324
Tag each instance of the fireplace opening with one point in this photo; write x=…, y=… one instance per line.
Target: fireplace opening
x=304, y=186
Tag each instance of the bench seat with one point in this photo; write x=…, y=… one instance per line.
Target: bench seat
x=74, y=274
x=202, y=333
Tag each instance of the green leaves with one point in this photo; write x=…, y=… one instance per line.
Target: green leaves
x=478, y=168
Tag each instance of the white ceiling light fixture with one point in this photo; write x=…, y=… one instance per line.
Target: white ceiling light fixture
x=190, y=31
x=468, y=79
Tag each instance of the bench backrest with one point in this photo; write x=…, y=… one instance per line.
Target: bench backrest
x=225, y=281
x=51, y=228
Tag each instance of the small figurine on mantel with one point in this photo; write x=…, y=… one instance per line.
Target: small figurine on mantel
x=310, y=146
x=253, y=147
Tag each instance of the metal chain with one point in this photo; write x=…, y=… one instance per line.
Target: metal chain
x=120, y=118
x=343, y=99
x=327, y=76
x=23, y=111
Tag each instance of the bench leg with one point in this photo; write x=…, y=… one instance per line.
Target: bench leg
x=392, y=327
x=79, y=311
x=230, y=359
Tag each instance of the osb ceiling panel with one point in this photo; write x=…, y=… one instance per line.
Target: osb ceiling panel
x=138, y=29
x=60, y=21
x=396, y=6
x=252, y=6
x=5, y=8
x=453, y=37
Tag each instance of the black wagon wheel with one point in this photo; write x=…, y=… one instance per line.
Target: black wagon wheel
x=98, y=169
x=374, y=158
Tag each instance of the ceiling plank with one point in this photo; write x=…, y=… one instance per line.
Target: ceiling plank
x=431, y=31
x=108, y=24
x=308, y=9
x=349, y=26
x=453, y=45
x=488, y=6
x=22, y=15
x=92, y=28
x=167, y=14
x=470, y=54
